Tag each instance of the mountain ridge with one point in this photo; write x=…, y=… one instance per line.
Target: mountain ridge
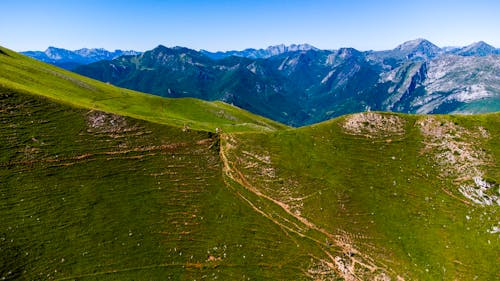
x=70, y=88
x=68, y=59
x=260, y=53
x=307, y=86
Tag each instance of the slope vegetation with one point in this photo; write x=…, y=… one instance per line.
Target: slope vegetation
x=383, y=195
x=29, y=76
x=89, y=195
x=94, y=190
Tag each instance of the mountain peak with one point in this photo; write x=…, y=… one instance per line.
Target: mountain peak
x=60, y=54
x=481, y=44
x=176, y=49
x=480, y=48
x=282, y=48
x=417, y=48
x=348, y=51
x=159, y=48
x=415, y=44
x=52, y=48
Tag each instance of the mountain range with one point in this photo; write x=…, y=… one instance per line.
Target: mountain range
x=99, y=182
x=260, y=53
x=71, y=59
x=300, y=84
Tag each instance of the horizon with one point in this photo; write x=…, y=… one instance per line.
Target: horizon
x=237, y=25
x=249, y=48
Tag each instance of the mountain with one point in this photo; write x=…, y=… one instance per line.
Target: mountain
x=100, y=182
x=260, y=53
x=446, y=84
x=181, y=72
x=71, y=59
x=75, y=90
x=300, y=87
x=476, y=49
x=418, y=49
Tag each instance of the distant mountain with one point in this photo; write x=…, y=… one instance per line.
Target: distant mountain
x=260, y=53
x=300, y=86
x=476, y=49
x=418, y=49
x=71, y=59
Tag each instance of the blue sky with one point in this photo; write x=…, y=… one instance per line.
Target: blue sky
x=237, y=24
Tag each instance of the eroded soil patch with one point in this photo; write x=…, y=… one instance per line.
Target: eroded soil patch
x=373, y=125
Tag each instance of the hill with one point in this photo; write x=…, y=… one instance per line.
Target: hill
x=106, y=193
x=384, y=195
x=33, y=77
x=301, y=85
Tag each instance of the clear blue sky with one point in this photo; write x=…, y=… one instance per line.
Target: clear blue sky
x=237, y=24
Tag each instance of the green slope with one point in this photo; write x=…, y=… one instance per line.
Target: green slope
x=381, y=192
x=90, y=195
x=30, y=76
x=87, y=194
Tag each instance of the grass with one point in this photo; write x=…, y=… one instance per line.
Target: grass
x=141, y=201
x=382, y=195
x=128, y=193
x=33, y=77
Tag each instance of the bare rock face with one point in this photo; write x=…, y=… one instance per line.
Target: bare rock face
x=374, y=125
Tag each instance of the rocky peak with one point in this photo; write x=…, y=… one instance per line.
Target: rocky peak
x=476, y=49
x=418, y=48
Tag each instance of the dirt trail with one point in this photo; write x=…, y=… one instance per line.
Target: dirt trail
x=344, y=265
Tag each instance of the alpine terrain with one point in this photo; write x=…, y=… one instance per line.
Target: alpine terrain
x=301, y=85
x=99, y=182
x=71, y=59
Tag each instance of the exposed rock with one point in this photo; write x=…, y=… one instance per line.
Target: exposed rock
x=102, y=122
x=458, y=153
x=345, y=269
x=477, y=193
x=374, y=125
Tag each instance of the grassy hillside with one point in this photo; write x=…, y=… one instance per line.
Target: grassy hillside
x=87, y=192
x=90, y=195
x=33, y=77
x=383, y=194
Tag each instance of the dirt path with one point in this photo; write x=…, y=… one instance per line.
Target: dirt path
x=343, y=267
